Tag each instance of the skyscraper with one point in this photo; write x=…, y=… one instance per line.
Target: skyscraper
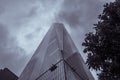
x=56, y=58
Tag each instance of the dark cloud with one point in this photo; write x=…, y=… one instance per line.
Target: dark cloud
x=32, y=12
x=11, y=55
x=17, y=13
x=1, y=9
x=82, y=13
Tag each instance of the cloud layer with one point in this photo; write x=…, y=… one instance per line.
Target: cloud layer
x=10, y=53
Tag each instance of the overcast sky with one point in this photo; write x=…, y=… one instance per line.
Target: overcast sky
x=23, y=24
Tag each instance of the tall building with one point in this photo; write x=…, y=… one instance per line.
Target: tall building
x=56, y=58
x=6, y=74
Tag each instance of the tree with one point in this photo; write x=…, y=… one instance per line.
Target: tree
x=103, y=46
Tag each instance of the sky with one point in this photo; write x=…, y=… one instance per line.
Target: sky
x=23, y=24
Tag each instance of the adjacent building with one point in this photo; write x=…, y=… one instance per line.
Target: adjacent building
x=6, y=74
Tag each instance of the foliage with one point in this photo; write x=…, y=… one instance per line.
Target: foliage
x=103, y=46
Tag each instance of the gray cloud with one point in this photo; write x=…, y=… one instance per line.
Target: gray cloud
x=1, y=10
x=80, y=12
x=11, y=55
x=32, y=34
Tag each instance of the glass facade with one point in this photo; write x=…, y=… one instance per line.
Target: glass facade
x=53, y=59
x=56, y=74
x=62, y=71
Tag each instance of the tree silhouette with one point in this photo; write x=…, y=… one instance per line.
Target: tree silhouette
x=103, y=46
